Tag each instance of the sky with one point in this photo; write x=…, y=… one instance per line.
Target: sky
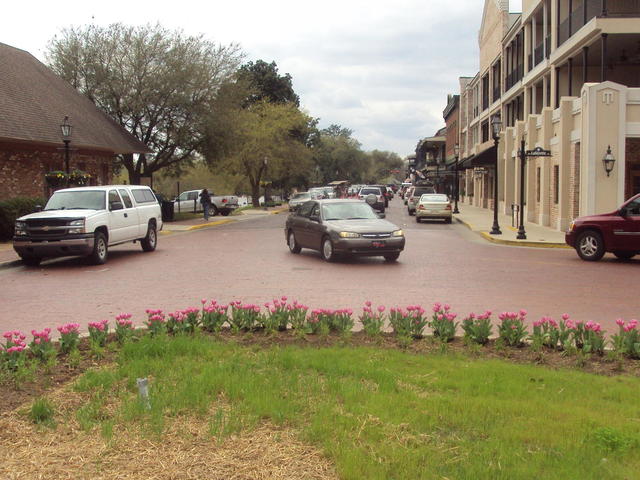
x=380, y=68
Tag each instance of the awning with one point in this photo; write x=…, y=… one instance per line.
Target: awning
x=482, y=159
x=336, y=183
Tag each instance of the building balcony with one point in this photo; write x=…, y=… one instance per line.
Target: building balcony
x=589, y=9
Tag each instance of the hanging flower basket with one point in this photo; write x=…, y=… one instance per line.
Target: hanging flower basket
x=56, y=179
x=79, y=178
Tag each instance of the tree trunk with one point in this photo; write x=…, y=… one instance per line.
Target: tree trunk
x=255, y=195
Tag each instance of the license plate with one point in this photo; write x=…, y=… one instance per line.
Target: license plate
x=378, y=244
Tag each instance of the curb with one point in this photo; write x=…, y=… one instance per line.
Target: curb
x=513, y=243
x=210, y=224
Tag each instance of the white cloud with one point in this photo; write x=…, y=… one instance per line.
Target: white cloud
x=380, y=68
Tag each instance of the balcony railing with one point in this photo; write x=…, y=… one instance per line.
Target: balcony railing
x=515, y=76
x=624, y=8
x=496, y=93
x=538, y=54
x=584, y=12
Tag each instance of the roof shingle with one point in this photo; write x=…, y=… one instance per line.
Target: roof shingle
x=34, y=101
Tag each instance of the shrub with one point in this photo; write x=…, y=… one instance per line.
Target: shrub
x=15, y=208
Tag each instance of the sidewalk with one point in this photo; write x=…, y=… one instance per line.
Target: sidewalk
x=9, y=258
x=480, y=220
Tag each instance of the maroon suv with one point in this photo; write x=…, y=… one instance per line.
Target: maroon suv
x=617, y=232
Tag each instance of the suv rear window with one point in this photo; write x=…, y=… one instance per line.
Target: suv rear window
x=367, y=191
x=418, y=191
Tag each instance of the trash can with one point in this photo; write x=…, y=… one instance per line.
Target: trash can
x=167, y=210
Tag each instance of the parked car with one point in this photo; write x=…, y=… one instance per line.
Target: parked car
x=317, y=193
x=189, y=201
x=342, y=227
x=87, y=221
x=617, y=232
x=407, y=194
x=367, y=193
x=434, y=205
x=416, y=193
x=298, y=199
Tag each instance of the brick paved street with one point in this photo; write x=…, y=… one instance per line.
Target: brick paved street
x=248, y=260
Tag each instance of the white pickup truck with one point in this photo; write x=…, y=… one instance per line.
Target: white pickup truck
x=87, y=221
x=189, y=201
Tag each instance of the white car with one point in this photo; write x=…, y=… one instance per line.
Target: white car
x=87, y=221
x=434, y=205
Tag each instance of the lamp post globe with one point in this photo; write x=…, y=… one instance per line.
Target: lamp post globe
x=496, y=127
x=66, y=128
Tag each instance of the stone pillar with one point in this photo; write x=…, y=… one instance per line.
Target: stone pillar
x=604, y=124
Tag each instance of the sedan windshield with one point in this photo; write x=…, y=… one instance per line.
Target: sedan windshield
x=86, y=199
x=348, y=211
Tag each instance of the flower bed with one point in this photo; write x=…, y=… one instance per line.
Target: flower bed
x=408, y=324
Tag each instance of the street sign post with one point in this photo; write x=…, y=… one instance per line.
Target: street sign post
x=523, y=154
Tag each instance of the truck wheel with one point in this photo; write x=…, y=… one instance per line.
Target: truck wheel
x=590, y=246
x=213, y=210
x=150, y=242
x=225, y=213
x=100, y=249
x=31, y=261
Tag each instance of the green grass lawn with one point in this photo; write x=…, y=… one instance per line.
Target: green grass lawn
x=386, y=414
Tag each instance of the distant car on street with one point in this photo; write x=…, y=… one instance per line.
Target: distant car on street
x=367, y=193
x=617, y=232
x=434, y=205
x=414, y=196
x=337, y=227
x=298, y=199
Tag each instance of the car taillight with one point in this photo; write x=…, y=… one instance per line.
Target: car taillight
x=421, y=207
x=448, y=207
x=224, y=200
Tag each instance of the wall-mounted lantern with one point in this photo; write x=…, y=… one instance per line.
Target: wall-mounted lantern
x=608, y=161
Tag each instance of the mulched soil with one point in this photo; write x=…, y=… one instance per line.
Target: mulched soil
x=14, y=395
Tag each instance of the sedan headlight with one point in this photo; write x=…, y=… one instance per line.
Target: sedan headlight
x=398, y=233
x=21, y=228
x=572, y=225
x=77, y=226
x=349, y=235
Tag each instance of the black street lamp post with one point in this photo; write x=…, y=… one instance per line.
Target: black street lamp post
x=456, y=152
x=496, y=125
x=66, y=138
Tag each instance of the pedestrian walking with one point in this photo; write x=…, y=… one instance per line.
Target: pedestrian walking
x=205, y=200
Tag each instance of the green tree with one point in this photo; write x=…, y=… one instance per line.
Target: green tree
x=160, y=85
x=338, y=156
x=261, y=144
x=381, y=166
x=266, y=83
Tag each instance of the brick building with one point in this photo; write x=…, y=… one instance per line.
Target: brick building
x=563, y=75
x=33, y=104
